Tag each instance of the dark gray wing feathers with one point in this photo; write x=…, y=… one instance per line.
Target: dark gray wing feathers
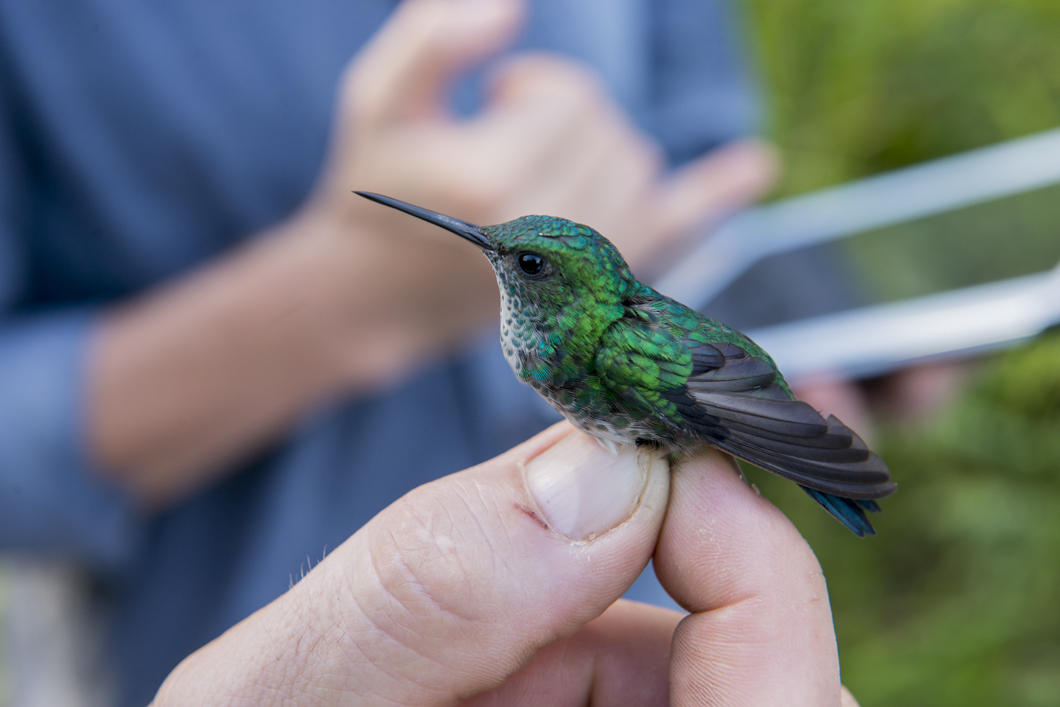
x=742, y=407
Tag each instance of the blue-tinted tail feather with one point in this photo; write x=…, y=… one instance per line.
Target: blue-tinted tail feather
x=848, y=511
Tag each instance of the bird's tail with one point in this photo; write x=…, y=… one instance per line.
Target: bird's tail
x=848, y=511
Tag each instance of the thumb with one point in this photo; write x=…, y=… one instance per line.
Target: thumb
x=453, y=588
x=716, y=184
x=404, y=70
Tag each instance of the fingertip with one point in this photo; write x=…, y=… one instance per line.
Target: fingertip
x=489, y=23
x=444, y=21
x=539, y=442
x=755, y=160
x=758, y=600
x=405, y=68
x=722, y=540
x=584, y=490
x=717, y=184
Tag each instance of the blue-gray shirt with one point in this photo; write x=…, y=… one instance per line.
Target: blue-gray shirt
x=139, y=140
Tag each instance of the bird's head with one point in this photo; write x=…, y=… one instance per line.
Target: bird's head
x=543, y=263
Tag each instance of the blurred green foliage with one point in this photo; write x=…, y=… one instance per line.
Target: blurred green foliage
x=994, y=240
x=856, y=88
x=956, y=601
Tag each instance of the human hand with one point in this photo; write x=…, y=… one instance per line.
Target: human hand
x=498, y=585
x=345, y=297
x=548, y=140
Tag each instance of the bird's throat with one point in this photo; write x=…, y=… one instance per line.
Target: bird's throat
x=551, y=349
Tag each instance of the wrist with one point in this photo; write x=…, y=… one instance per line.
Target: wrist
x=232, y=353
x=291, y=288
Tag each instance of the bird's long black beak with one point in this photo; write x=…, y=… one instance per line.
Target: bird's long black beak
x=468, y=231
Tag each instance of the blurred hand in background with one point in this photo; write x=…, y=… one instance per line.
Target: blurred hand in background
x=548, y=140
x=367, y=293
x=213, y=355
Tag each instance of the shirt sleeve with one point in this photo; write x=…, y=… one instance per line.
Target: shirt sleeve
x=52, y=499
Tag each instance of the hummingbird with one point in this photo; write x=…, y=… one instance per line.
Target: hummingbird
x=629, y=365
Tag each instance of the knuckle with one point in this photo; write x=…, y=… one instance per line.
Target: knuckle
x=424, y=566
x=564, y=81
x=583, y=94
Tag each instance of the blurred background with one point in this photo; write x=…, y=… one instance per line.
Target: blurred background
x=955, y=601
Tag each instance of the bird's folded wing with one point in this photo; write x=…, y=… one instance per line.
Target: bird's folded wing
x=725, y=395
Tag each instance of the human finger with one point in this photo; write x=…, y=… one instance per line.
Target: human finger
x=618, y=658
x=760, y=629
x=544, y=117
x=404, y=70
x=715, y=185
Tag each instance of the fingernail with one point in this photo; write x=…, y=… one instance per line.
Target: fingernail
x=584, y=490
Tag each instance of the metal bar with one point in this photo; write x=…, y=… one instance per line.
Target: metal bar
x=903, y=195
x=875, y=340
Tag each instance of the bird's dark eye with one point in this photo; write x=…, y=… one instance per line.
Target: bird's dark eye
x=531, y=263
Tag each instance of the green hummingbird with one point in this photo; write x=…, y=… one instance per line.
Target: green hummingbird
x=629, y=365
